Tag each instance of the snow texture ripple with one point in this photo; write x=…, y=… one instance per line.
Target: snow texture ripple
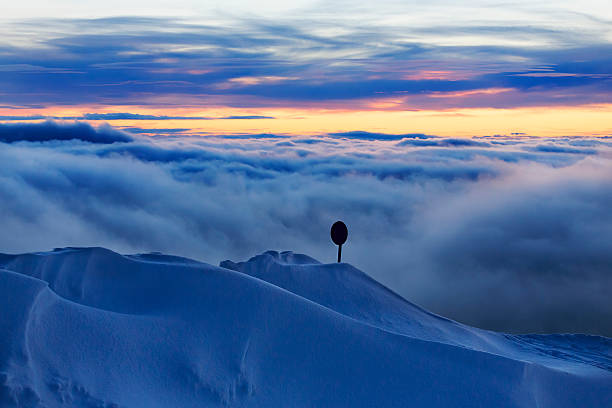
x=87, y=327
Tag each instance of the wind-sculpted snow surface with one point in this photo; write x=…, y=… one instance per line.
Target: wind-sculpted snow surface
x=92, y=328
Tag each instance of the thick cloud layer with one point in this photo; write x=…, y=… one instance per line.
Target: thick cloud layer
x=496, y=232
x=48, y=131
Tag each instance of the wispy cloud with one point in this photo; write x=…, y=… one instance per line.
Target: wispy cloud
x=127, y=116
x=266, y=62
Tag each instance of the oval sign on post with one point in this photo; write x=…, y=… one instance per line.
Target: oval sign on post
x=339, y=234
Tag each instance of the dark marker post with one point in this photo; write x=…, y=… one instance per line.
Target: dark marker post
x=339, y=234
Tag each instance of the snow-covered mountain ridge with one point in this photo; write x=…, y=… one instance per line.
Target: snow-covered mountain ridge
x=87, y=327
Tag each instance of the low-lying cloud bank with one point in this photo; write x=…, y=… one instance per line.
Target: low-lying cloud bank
x=52, y=131
x=497, y=232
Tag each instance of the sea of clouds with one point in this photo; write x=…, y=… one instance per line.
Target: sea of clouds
x=510, y=233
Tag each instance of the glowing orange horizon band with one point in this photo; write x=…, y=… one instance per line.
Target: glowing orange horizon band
x=583, y=120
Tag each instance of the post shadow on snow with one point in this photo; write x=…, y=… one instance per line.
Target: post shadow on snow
x=339, y=234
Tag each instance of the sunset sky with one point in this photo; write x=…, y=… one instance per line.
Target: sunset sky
x=307, y=67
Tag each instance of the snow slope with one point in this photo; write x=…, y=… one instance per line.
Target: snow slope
x=87, y=327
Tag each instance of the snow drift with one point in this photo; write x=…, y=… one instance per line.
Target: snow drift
x=87, y=327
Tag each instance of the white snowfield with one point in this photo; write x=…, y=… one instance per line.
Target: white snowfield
x=87, y=327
